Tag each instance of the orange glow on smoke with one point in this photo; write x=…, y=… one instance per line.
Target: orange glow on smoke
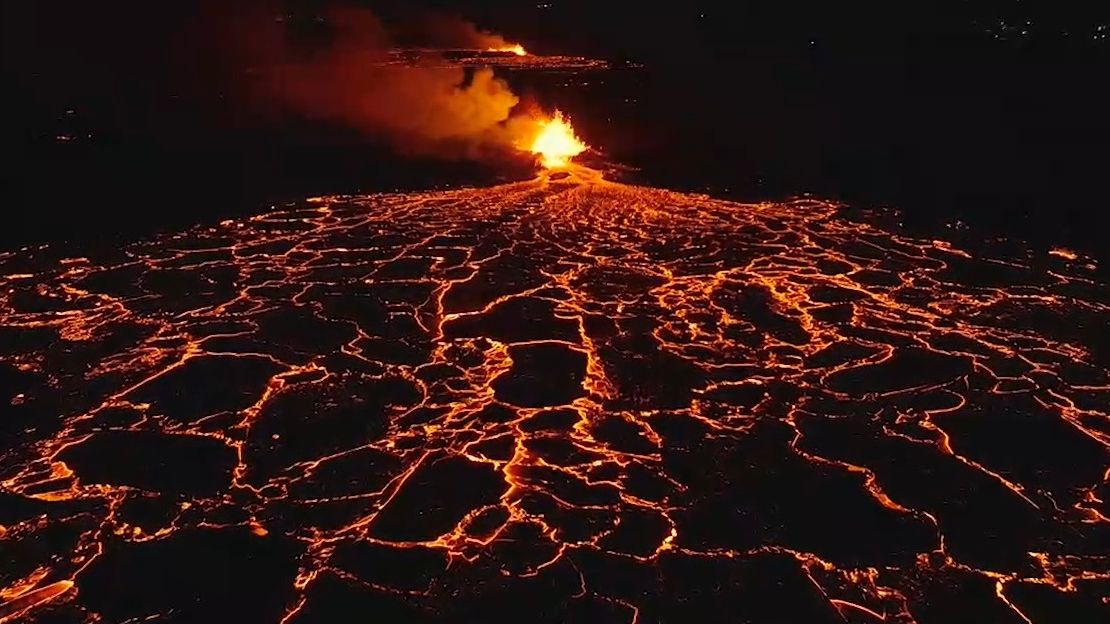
x=515, y=48
x=556, y=142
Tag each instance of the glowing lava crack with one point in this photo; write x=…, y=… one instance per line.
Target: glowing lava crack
x=567, y=401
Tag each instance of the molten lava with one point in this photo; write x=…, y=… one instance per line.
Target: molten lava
x=556, y=142
x=515, y=48
x=604, y=402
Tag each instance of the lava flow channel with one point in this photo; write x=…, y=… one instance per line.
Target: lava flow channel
x=568, y=400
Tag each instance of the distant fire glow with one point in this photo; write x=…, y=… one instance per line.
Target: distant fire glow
x=556, y=142
x=516, y=49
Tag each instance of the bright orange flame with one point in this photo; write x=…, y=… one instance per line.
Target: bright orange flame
x=556, y=142
x=516, y=49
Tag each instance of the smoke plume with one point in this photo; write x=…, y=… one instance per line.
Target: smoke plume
x=340, y=71
x=451, y=31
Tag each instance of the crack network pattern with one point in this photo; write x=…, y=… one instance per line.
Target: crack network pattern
x=568, y=399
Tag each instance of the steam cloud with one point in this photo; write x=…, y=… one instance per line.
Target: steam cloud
x=344, y=77
x=450, y=31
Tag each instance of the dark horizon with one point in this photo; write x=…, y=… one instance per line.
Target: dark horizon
x=949, y=115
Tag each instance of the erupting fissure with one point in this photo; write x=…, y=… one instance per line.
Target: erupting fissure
x=515, y=48
x=556, y=143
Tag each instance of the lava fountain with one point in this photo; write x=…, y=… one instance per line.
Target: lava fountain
x=515, y=48
x=556, y=143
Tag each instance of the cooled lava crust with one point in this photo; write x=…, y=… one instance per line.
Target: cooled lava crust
x=564, y=400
